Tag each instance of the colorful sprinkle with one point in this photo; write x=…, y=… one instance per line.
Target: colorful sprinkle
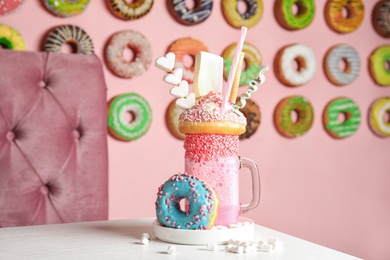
x=208, y=146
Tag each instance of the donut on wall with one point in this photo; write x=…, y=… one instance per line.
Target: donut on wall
x=253, y=117
x=379, y=124
x=10, y=6
x=120, y=108
x=342, y=53
x=289, y=20
x=184, y=15
x=172, y=120
x=340, y=23
x=202, y=212
x=249, y=18
x=284, y=122
x=140, y=47
x=380, y=18
x=186, y=46
x=129, y=10
x=346, y=126
x=379, y=65
x=11, y=39
x=252, y=59
x=66, y=8
x=305, y=59
x=68, y=34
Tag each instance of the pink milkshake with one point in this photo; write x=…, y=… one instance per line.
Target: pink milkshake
x=212, y=124
x=211, y=152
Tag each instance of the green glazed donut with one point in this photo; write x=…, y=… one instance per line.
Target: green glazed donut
x=378, y=60
x=11, y=39
x=66, y=8
x=287, y=19
x=140, y=110
x=331, y=121
x=282, y=117
x=252, y=59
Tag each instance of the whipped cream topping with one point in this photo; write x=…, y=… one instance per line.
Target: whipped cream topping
x=208, y=109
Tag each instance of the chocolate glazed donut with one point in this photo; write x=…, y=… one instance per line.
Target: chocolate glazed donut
x=380, y=18
x=184, y=15
x=252, y=113
x=69, y=34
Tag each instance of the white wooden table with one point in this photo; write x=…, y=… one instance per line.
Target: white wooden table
x=119, y=239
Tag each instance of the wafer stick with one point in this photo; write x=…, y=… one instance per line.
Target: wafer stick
x=237, y=76
x=229, y=83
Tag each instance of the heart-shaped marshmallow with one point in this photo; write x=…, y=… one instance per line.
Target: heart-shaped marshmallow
x=181, y=90
x=187, y=102
x=166, y=62
x=175, y=77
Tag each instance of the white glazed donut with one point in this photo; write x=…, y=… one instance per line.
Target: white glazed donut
x=304, y=57
x=332, y=68
x=138, y=44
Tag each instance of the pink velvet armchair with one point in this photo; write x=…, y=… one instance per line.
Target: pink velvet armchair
x=53, y=138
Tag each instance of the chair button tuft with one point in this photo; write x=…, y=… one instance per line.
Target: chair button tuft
x=42, y=84
x=11, y=136
x=45, y=190
x=76, y=134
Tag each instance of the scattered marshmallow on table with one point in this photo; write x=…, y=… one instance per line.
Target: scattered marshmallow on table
x=276, y=243
x=266, y=247
x=145, y=238
x=250, y=249
x=244, y=244
x=144, y=241
x=259, y=241
x=146, y=235
x=229, y=247
x=212, y=246
x=236, y=242
x=239, y=247
x=171, y=250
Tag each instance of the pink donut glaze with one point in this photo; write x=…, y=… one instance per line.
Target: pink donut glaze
x=9, y=6
x=208, y=109
x=136, y=42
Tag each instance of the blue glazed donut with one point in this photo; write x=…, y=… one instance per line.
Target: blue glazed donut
x=199, y=13
x=203, y=203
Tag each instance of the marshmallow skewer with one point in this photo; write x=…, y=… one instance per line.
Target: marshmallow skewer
x=233, y=69
x=236, y=82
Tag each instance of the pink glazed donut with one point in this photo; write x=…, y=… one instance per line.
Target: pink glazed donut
x=138, y=44
x=9, y=6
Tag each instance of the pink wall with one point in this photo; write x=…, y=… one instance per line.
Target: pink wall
x=332, y=192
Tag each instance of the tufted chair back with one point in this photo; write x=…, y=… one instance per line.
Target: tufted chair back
x=53, y=141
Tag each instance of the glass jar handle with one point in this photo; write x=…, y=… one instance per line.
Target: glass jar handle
x=252, y=166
